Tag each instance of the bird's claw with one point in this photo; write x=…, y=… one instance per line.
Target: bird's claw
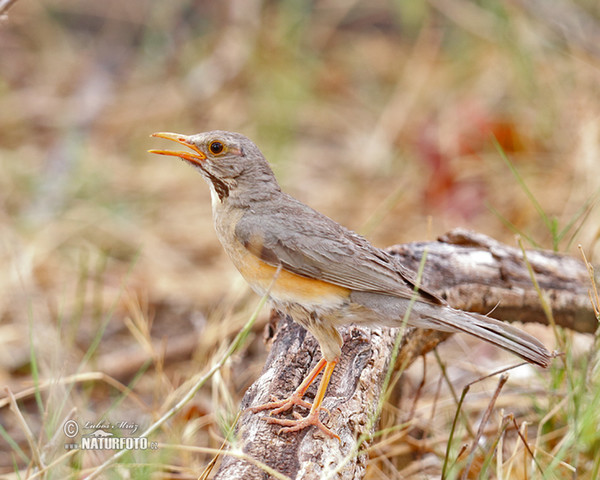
x=300, y=422
x=280, y=406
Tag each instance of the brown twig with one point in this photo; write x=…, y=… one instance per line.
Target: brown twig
x=5, y=6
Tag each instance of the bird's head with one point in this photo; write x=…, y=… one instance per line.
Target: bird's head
x=231, y=163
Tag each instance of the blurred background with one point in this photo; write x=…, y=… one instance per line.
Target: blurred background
x=399, y=119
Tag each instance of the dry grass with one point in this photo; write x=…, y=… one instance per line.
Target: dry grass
x=114, y=291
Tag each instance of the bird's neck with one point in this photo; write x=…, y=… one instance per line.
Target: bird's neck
x=240, y=193
x=219, y=190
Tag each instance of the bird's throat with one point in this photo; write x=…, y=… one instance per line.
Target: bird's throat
x=219, y=187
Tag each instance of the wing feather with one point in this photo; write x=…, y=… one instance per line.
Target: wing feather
x=307, y=243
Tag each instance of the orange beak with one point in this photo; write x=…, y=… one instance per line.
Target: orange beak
x=195, y=158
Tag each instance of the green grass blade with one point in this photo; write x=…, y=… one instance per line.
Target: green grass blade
x=14, y=445
x=512, y=227
x=523, y=185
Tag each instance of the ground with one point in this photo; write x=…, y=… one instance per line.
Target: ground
x=400, y=120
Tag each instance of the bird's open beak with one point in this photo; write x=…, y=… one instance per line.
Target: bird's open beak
x=196, y=158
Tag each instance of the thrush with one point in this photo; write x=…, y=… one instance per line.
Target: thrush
x=317, y=271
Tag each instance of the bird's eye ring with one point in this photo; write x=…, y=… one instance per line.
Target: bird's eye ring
x=216, y=147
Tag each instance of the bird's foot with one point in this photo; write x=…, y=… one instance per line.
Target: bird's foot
x=280, y=406
x=312, y=419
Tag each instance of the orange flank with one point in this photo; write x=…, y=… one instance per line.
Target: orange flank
x=289, y=287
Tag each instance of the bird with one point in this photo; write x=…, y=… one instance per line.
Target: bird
x=315, y=270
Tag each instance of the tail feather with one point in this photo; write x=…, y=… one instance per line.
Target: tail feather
x=490, y=330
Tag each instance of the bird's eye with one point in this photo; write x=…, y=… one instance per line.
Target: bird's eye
x=216, y=147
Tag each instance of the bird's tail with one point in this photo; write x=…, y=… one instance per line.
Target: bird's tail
x=488, y=329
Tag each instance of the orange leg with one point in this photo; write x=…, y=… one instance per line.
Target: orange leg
x=279, y=406
x=313, y=416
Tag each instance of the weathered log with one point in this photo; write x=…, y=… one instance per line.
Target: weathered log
x=473, y=272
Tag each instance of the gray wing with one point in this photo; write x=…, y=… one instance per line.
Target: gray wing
x=321, y=248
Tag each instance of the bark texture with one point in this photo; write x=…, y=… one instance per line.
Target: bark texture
x=473, y=272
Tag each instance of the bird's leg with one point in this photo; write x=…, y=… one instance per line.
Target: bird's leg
x=313, y=416
x=279, y=406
